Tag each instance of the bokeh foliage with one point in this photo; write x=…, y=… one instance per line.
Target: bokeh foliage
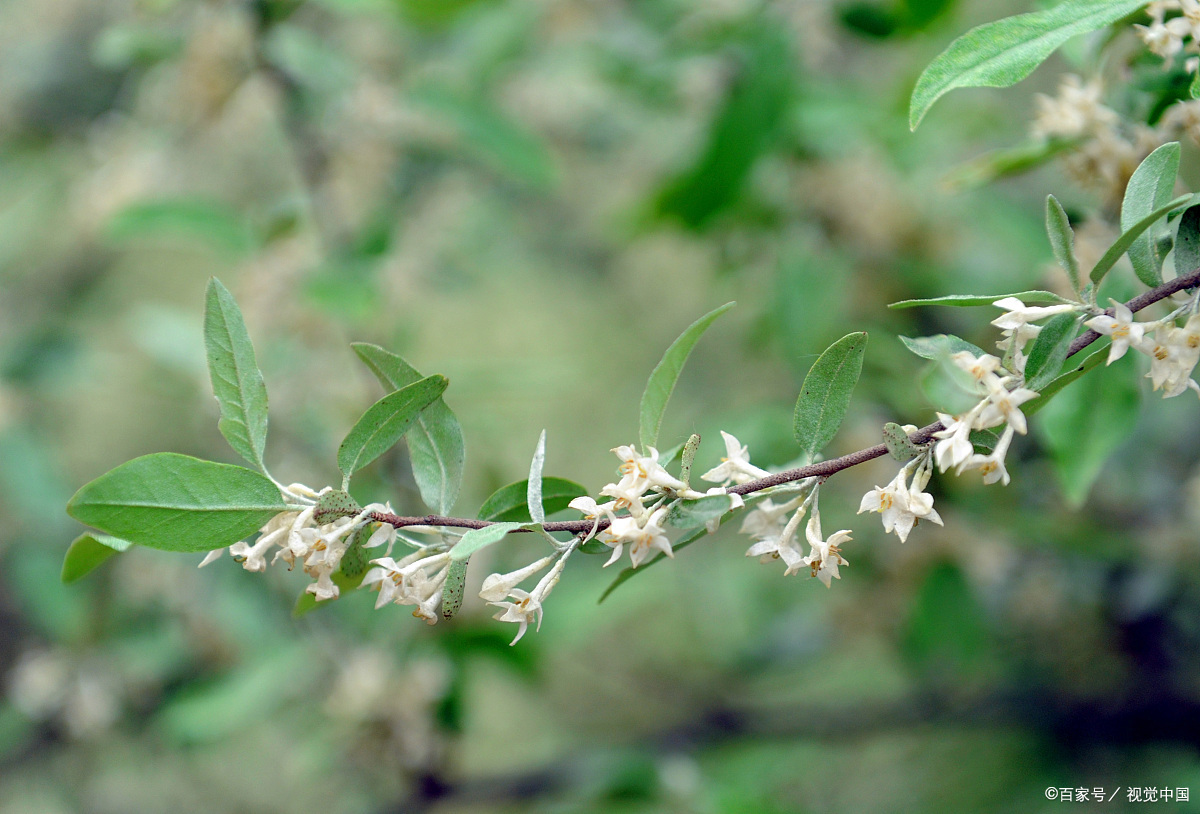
x=534, y=198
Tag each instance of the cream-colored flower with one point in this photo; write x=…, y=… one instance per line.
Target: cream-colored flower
x=735, y=466
x=1121, y=327
x=825, y=555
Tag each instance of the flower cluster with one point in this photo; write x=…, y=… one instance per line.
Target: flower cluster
x=1173, y=351
x=1108, y=149
x=296, y=536
x=1168, y=37
x=641, y=527
x=902, y=504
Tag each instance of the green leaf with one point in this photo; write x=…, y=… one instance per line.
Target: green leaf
x=1062, y=242
x=217, y=224
x=1085, y=424
x=826, y=392
x=86, y=553
x=435, y=440
x=1002, y=53
x=687, y=514
x=177, y=503
x=629, y=572
x=510, y=503
x=999, y=164
x=476, y=539
x=1194, y=87
x=1049, y=350
x=662, y=379
x=334, y=504
x=939, y=346
x=533, y=492
x=1055, y=386
x=236, y=380
x=1122, y=244
x=453, y=588
x=355, y=560
x=1187, y=242
x=971, y=300
x=1149, y=188
x=898, y=444
x=384, y=422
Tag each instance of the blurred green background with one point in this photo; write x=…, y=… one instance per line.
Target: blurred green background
x=534, y=197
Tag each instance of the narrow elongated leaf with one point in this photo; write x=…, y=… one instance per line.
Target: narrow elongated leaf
x=1149, y=188
x=87, y=552
x=177, y=503
x=1049, y=350
x=999, y=54
x=533, y=489
x=1187, y=242
x=435, y=440
x=826, y=393
x=971, y=300
x=1062, y=242
x=236, y=380
x=475, y=539
x=510, y=503
x=384, y=422
x=939, y=346
x=1122, y=244
x=687, y=514
x=1003, y=163
x=662, y=379
x=688, y=457
x=453, y=588
x=1056, y=385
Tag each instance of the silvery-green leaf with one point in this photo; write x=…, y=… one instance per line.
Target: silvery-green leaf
x=688, y=457
x=825, y=394
x=87, y=552
x=177, y=503
x=435, y=440
x=334, y=504
x=939, y=346
x=898, y=444
x=1002, y=53
x=1062, y=242
x=384, y=422
x=1150, y=187
x=662, y=379
x=533, y=492
x=687, y=514
x=971, y=300
x=236, y=380
x=1122, y=243
x=453, y=588
x=475, y=539
x=1049, y=350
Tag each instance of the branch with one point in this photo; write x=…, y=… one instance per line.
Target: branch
x=823, y=469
